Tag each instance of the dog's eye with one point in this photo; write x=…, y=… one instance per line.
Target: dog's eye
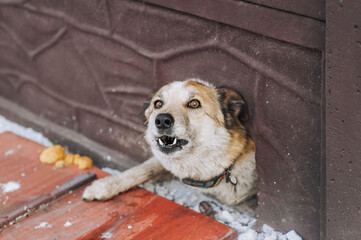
x=194, y=104
x=158, y=104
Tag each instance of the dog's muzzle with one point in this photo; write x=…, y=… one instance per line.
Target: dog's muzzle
x=167, y=143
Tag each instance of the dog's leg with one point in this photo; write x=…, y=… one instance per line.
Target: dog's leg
x=111, y=186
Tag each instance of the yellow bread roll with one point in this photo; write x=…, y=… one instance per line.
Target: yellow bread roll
x=77, y=157
x=84, y=162
x=69, y=159
x=60, y=164
x=52, y=154
x=56, y=155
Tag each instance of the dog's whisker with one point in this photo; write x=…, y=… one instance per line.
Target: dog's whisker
x=140, y=137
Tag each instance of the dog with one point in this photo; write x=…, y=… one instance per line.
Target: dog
x=196, y=132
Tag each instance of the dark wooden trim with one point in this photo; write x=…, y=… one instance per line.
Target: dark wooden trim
x=280, y=25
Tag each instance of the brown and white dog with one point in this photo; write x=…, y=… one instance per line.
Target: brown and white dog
x=195, y=131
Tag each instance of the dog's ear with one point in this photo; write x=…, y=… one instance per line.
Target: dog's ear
x=145, y=110
x=234, y=107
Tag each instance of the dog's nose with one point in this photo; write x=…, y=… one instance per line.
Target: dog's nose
x=164, y=121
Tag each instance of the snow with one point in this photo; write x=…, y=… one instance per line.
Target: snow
x=9, y=152
x=67, y=224
x=292, y=235
x=111, y=170
x=43, y=225
x=174, y=191
x=267, y=229
x=249, y=235
x=9, y=186
x=6, y=199
x=12, y=151
x=107, y=235
x=6, y=125
x=227, y=216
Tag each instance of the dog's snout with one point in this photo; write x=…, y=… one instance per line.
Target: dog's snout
x=164, y=121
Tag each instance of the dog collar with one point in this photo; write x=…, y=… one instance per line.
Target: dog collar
x=214, y=181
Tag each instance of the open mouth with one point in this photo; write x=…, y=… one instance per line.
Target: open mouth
x=169, y=144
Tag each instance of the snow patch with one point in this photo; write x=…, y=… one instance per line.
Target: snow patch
x=111, y=170
x=8, y=126
x=250, y=234
x=267, y=229
x=6, y=199
x=43, y=225
x=227, y=217
x=9, y=152
x=67, y=224
x=292, y=235
x=9, y=186
x=107, y=235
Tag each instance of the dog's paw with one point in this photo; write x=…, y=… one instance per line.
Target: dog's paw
x=101, y=189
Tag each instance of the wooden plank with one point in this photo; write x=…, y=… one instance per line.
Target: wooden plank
x=20, y=164
x=136, y=214
x=46, y=198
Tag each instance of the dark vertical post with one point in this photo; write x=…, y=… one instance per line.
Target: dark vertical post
x=343, y=119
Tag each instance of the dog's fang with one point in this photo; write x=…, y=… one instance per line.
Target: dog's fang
x=161, y=142
x=175, y=141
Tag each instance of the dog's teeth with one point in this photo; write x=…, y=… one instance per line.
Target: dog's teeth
x=175, y=141
x=161, y=142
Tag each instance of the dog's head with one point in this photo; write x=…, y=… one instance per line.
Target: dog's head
x=192, y=118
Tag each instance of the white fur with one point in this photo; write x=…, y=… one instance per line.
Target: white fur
x=111, y=186
x=204, y=157
x=200, y=158
x=246, y=186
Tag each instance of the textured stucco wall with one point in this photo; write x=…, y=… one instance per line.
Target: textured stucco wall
x=89, y=66
x=343, y=120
